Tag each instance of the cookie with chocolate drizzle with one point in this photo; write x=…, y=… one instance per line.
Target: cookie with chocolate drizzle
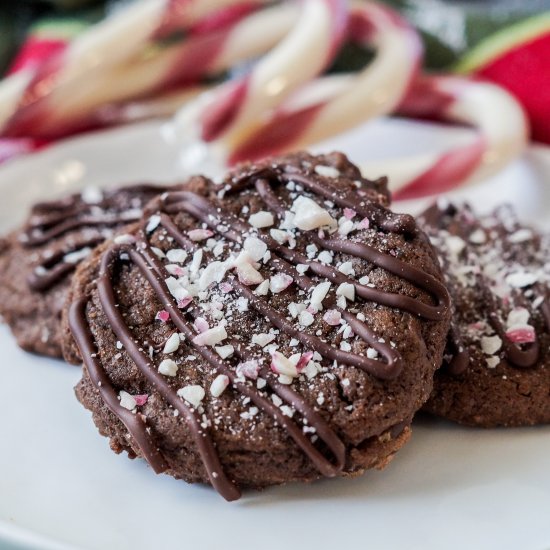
x=283, y=325
x=496, y=370
x=38, y=260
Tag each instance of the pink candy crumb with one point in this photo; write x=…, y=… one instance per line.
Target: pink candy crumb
x=521, y=335
x=349, y=213
x=141, y=399
x=199, y=234
x=305, y=358
x=184, y=302
x=163, y=316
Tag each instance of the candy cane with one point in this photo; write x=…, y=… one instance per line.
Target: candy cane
x=231, y=112
x=281, y=104
x=170, y=68
x=501, y=134
x=30, y=96
x=331, y=105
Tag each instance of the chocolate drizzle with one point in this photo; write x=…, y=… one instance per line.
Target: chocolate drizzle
x=52, y=220
x=328, y=455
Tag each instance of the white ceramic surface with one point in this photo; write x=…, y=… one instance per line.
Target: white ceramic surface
x=61, y=487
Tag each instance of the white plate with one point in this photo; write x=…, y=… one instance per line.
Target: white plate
x=61, y=487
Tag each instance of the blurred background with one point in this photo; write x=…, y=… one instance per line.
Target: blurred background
x=449, y=27
x=506, y=42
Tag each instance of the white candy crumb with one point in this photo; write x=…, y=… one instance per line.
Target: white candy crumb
x=225, y=351
x=261, y=219
x=172, y=344
x=177, y=255
x=211, y=337
x=490, y=344
x=192, y=394
x=127, y=401
x=219, y=384
x=306, y=318
x=168, y=367
x=327, y=171
x=309, y=215
x=153, y=223
x=347, y=290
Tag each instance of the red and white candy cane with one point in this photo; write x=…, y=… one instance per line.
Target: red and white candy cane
x=501, y=134
x=34, y=97
x=231, y=112
x=330, y=105
x=206, y=51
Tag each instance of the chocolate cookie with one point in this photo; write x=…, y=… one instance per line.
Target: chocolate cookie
x=497, y=363
x=38, y=260
x=283, y=325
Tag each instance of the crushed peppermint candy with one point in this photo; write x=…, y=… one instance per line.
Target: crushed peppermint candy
x=214, y=272
x=172, y=344
x=349, y=213
x=318, y=294
x=248, y=369
x=177, y=288
x=193, y=394
x=303, y=361
x=327, y=171
x=520, y=236
x=197, y=235
x=280, y=236
x=280, y=282
x=455, y=244
x=521, y=279
x=477, y=237
x=347, y=290
x=325, y=257
x=262, y=339
x=153, y=223
x=346, y=228
x=219, y=385
x=225, y=351
x=517, y=316
x=168, y=367
x=309, y=215
x=332, y=317
x=364, y=224
x=255, y=247
x=200, y=324
x=263, y=288
x=283, y=365
x=163, y=316
x=246, y=269
x=127, y=401
x=211, y=337
x=141, y=399
x=261, y=219
x=184, y=302
x=521, y=334
x=346, y=268
x=491, y=344
x=176, y=255
x=305, y=318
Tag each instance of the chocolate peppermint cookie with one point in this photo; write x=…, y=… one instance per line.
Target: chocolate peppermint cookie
x=283, y=325
x=497, y=363
x=38, y=260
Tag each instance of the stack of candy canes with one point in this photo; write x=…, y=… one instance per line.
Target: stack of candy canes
x=169, y=57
